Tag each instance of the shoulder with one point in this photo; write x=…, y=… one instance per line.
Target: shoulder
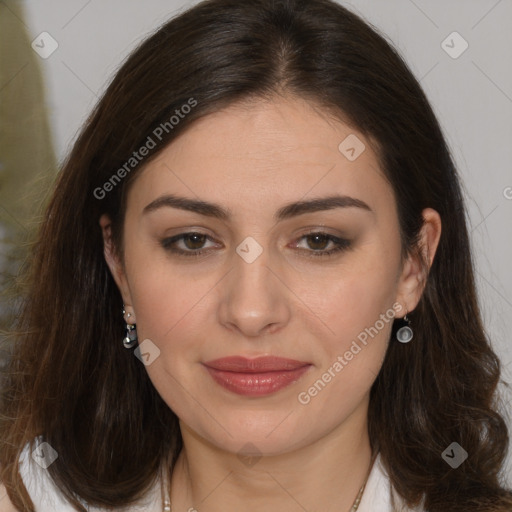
x=41, y=488
x=5, y=502
x=48, y=498
x=379, y=496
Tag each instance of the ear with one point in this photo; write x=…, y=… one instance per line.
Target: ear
x=115, y=266
x=414, y=276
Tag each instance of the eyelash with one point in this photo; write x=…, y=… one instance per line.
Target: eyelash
x=342, y=245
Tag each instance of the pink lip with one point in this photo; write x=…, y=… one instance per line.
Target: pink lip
x=255, y=377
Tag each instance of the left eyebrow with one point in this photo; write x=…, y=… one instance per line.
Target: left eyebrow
x=290, y=210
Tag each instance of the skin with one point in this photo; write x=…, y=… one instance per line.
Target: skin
x=254, y=158
x=5, y=502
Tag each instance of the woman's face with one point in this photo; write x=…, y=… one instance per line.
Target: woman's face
x=260, y=287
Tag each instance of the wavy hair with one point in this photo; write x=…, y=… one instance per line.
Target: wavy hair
x=70, y=380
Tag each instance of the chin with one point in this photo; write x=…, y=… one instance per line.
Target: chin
x=272, y=434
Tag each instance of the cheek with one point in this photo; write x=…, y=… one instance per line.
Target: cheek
x=162, y=295
x=360, y=316
x=356, y=295
x=357, y=308
x=167, y=306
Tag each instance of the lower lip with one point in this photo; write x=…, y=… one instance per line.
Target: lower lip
x=256, y=384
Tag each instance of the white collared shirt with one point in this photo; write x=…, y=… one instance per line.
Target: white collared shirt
x=47, y=498
x=377, y=495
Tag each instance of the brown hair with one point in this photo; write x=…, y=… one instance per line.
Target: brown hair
x=71, y=381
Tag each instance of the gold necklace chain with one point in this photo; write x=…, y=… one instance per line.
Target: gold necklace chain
x=166, y=500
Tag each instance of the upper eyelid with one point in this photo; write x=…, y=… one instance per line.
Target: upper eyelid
x=312, y=231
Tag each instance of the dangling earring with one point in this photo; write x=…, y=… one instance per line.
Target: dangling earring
x=131, y=333
x=405, y=334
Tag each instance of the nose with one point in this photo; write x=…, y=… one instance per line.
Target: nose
x=254, y=297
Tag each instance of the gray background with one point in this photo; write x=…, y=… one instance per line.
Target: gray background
x=471, y=95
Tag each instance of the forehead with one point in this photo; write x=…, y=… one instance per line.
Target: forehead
x=255, y=155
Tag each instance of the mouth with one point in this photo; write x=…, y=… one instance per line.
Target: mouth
x=255, y=377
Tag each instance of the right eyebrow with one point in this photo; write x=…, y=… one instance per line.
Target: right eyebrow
x=290, y=210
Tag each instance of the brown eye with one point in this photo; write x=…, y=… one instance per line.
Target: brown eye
x=317, y=243
x=196, y=240
x=192, y=244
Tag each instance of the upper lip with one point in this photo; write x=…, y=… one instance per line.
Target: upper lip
x=256, y=365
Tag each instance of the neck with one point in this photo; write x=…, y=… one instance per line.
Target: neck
x=325, y=474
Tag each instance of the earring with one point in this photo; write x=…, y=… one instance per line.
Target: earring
x=131, y=333
x=405, y=334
